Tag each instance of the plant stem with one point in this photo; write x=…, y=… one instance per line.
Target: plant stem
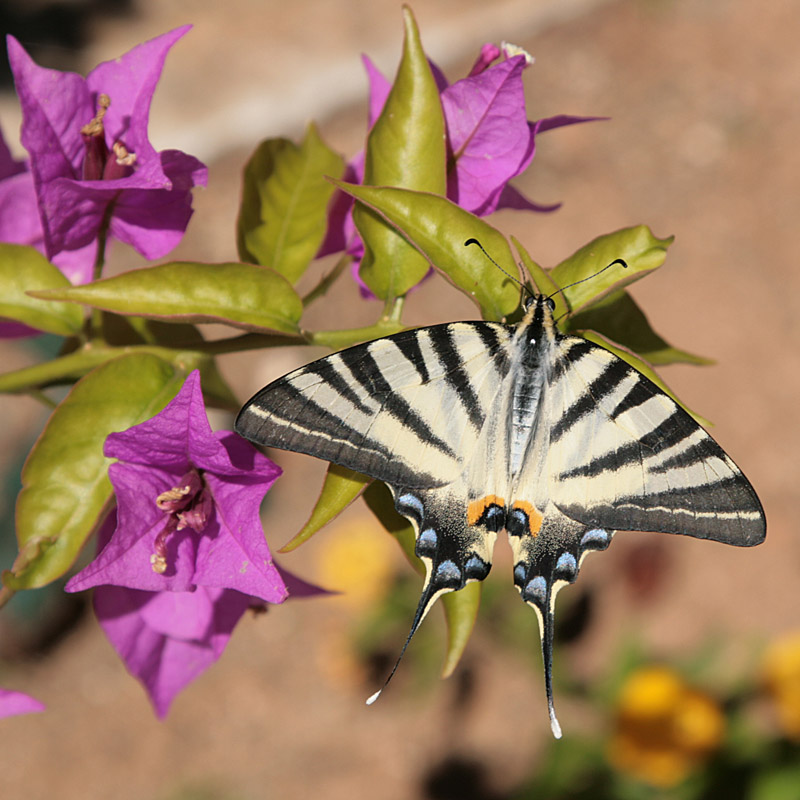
x=327, y=280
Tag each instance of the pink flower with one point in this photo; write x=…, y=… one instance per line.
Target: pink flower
x=489, y=142
x=14, y=703
x=91, y=160
x=184, y=556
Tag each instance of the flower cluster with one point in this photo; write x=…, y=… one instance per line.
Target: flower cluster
x=181, y=554
x=184, y=555
x=490, y=141
x=93, y=172
x=665, y=728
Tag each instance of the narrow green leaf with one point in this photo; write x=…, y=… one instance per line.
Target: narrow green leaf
x=637, y=246
x=542, y=280
x=337, y=340
x=65, y=478
x=241, y=295
x=406, y=147
x=285, y=196
x=341, y=487
x=69, y=368
x=618, y=317
x=23, y=268
x=379, y=500
x=641, y=366
x=460, y=608
x=461, y=611
x=439, y=229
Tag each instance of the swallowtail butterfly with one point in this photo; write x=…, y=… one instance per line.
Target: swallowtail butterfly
x=480, y=427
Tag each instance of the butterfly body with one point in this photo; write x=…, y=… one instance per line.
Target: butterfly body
x=480, y=427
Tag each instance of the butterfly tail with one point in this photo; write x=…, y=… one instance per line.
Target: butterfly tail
x=430, y=593
x=546, y=626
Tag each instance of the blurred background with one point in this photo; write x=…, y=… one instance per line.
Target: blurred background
x=704, y=101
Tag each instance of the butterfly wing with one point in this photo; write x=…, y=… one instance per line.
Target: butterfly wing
x=625, y=456
x=405, y=409
x=409, y=410
x=610, y=451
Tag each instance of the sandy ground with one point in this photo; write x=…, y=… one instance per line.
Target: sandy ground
x=702, y=144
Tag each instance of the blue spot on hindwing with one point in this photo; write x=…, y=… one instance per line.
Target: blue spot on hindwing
x=536, y=591
x=447, y=573
x=519, y=574
x=427, y=543
x=409, y=502
x=476, y=568
x=566, y=567
x=595, y=539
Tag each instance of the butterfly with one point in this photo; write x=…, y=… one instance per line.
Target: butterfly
x=480, y=427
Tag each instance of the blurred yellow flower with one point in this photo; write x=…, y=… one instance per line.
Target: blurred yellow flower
x=781, y=674
x=356, y=558
x=664, y=727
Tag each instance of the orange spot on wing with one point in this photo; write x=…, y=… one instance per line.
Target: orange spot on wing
x=476, y=508
x=534, y=517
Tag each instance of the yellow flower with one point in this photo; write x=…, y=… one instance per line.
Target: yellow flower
x=781, y=674
x=356, y=558
x=664, y=728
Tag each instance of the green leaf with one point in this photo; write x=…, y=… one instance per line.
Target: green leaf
x=637, y=246
x=23, y=268
x=640, y=366
x=461, y=611
x=460, y=608
x=71, y=367
x=283, y=215
x=439, y=230
x=339, y=339
x=65, y=484
x=406, y=147
x=242, y=295
x=618, y=317
x=341, y=487
x=379, y=501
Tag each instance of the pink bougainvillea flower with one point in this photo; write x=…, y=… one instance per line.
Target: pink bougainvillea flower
x=20, y=224
x=91, y=160
x=184, y=556
x=489, y=142
x=167, y=639
x=14, y=703
x=188, y=507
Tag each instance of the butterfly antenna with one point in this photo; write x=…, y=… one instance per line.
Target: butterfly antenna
x=591, y=277
x=422, y=609
x=507, y=274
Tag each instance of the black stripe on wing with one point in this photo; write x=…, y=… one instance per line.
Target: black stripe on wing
x=365, y=370
x=456, y=375
x=603, y=385
x=638, y=461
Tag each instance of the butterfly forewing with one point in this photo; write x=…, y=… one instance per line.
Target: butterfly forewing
x=406, y=409
x=624, y=456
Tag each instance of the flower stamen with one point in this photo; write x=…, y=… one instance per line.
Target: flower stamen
x=187, y=505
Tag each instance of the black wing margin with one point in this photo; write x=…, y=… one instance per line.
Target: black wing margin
x=625, y=456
